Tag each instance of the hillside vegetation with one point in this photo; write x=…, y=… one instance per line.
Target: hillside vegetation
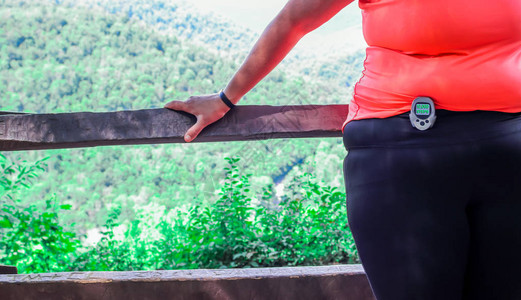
x=103, y=56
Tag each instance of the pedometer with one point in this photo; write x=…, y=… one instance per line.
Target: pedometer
x=423, y=114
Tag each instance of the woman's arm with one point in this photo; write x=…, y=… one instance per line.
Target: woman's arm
x=296, y=19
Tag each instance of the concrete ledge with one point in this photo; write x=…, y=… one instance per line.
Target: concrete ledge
x=153, y=126
x=327, y=282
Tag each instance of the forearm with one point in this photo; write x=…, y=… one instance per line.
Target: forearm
x=295, y=20
x=273, y=45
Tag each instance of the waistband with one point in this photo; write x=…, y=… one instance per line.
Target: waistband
x=451, y=127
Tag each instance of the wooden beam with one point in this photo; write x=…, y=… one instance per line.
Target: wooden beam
x=8, y=270
x=294, y=283
x=154, y=126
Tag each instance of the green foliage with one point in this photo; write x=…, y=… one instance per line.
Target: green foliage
x=64, y=57
x=17, y=175
x=226, y=232
x=237, y=230
x=305, y=227
x=31, y=237
x=109, y=253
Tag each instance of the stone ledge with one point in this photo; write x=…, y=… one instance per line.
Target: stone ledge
x=327, y=282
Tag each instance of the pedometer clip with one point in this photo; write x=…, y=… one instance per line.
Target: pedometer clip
x=423, y=114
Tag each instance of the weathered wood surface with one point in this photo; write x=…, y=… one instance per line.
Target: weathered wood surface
x=330, y=282
x=8, y=270
x=153, y=126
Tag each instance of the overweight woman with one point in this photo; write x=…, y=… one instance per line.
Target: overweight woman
x=433, y=170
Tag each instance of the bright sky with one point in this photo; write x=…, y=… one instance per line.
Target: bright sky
x=254, y=14
x=343, y=31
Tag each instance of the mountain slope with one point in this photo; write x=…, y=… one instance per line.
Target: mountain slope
x=58, y=58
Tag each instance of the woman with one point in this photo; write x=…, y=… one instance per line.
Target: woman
x=435, y=213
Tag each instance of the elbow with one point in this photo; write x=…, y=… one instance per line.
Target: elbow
x=294, y=25
x=304, y=16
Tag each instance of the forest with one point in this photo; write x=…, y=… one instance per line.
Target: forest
x=214, y=205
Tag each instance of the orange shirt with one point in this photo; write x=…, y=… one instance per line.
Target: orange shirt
x=464, y=54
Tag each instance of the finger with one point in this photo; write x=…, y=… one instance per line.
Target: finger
x=194, y=131
x=176, y=105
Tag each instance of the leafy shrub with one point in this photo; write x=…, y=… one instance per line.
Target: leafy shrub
x=237, y=230
x=31, y=237
x=306, y=226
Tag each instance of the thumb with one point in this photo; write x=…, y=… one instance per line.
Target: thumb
x=176, y=105
x=194, y=131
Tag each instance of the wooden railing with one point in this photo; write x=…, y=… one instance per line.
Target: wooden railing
x=296, y=283
x=152, y=126
x=8, y=270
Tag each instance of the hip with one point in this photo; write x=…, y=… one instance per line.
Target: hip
x=451, y=128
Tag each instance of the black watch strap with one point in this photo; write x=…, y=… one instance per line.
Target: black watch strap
x=226, y=100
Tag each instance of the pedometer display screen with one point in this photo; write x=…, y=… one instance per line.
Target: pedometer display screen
x=423, y=109
x=423, y=113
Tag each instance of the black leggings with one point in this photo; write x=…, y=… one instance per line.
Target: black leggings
x=436, y=214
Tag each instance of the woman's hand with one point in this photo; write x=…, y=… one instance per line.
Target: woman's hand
x=297, y=18
x=207, y=109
